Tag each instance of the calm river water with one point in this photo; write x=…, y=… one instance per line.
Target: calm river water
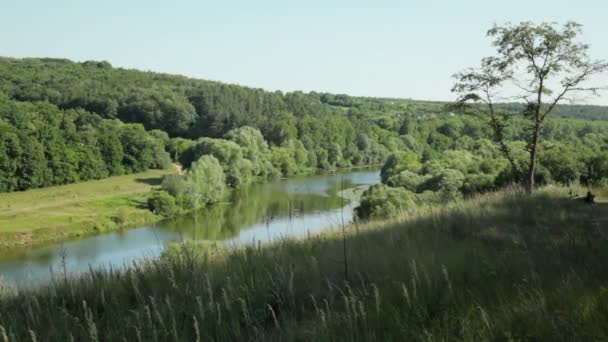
x=259, y=213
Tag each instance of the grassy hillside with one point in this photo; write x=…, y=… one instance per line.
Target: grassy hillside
x=504, y=266
x=61, y=212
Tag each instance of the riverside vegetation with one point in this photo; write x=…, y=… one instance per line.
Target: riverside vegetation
x=448, y=249
x=503, y=266
x=60, y=213
x=64, y=122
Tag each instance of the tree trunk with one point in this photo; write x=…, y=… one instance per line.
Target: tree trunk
x=531, y=170
x=530, y=183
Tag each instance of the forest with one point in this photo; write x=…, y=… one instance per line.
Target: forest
x=476, y=231
x=455, y=158
x=65, y=122
x=301, y=131
x=42, y=145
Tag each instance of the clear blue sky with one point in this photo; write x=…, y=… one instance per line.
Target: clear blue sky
x=404, y=48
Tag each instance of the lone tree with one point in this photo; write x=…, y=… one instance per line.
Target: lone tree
x=541, y=65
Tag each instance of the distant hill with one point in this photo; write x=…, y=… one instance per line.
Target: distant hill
x=63, y=122
x=188, y=107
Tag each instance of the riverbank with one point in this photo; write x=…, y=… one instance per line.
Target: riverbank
x=500, y=266
x=261, y=212
x=59, y=213
x=50, y=215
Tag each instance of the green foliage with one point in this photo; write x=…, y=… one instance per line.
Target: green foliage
x=203, y=184
x=398, y=162
x=384, y=201
x=178, y=146
x=549, y=64
x=207, y=179
x=447, y=183
x=309, y=130
x=76, y=134
x=42, y=145
x=478, y=183
x=162, y=203
x=282, y=159
x=596, y=169
x=140, y=152
x=407, y=179
x=563, y=163
x=471, y=164
x=180, y=188
x=254, y=148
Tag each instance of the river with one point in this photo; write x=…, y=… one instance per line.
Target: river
x=259, y=213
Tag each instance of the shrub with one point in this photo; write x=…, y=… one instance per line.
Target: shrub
x=398, y=162
x=162, y=203
x=383, y=201
x=407, y=180
x=478, y=183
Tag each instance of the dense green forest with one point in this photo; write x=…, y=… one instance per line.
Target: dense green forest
x=64, y=122
x=42, y=145
x=453, y=156
x=301, y=132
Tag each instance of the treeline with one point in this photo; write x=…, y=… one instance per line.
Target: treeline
x=42, y=145
x=178, y=105
x=79, y=121
x=449, y=157
x=214, y=166
x=575, y=111
x=303, y=131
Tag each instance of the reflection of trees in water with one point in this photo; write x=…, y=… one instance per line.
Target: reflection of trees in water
x=258, y=203
x=41, y=256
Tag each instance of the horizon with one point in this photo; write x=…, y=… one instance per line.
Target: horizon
x=342, y=48
x=284, y=92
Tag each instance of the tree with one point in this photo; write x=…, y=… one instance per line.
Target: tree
x=563, y=163
x=137, y=146
x=111, y=147
x=596, y=169
x=177, y=146
x=398, y=162
x=162, y=203
x=207, y=179
x=230, y=155
x=543, y=65
x=254, y=149
x=381, y=200
x=10, y=150
x=203, y=184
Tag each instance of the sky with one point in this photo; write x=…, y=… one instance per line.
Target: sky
x=405, y=49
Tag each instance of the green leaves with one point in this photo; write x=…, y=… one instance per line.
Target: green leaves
x=203, y=184
x=544, y=62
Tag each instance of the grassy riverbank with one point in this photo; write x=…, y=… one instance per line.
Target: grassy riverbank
x=64, y=212
x=53, y=214
x=505, y=267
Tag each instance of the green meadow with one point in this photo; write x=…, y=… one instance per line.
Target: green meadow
x=69, y=211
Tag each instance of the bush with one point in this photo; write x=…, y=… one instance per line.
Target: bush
x=237, y=170
x=407, y=180
x=203, y=184
x=162, y=203
x=447, y=183
x=383, y=201
x=398, y=162
x=478, y=183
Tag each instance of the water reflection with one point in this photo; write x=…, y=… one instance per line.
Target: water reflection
x=260, y=212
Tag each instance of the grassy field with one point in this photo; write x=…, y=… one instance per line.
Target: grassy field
x=57, y=213
x=501, y=267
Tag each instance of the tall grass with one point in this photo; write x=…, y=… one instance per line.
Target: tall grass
x=504, y=266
